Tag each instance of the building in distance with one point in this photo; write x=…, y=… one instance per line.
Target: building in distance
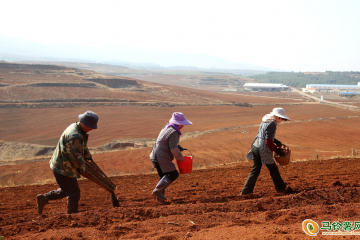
x=344, y=94
x=332, y=88
x=266, y=87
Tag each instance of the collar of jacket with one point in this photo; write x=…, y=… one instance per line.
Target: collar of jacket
x=80, y=130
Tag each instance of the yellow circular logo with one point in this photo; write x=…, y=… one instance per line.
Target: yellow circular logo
x=310, y=227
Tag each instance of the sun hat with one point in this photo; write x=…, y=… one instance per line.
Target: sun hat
x=280, y=112
x=89, y=118
x=178, y=118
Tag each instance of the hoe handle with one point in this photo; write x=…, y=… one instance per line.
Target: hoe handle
x=95, y=180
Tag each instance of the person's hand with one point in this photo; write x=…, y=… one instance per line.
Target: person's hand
x=177, y=154
x=277, y=143
x=181, y=148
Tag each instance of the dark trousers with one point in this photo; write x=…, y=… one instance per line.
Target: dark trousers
x=171, y=175
x=255, y=172
x=68, y=188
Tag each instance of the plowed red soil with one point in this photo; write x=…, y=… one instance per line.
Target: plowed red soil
x=45, y=125
x=202, y=205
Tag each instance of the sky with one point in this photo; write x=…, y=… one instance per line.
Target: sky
x=301, y=35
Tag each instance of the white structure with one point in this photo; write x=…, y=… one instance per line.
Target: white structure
x=267, y=87
x=309, y=90
x=329, y=87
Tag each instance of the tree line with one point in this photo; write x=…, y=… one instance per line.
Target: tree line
x=300, y=79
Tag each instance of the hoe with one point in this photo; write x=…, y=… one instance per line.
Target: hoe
x=95, y=174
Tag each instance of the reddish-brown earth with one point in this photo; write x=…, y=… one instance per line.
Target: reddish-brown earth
x=226, y=133
x=202, y=205
x=45, y=125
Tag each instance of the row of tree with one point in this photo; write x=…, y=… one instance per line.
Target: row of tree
x=299, y=79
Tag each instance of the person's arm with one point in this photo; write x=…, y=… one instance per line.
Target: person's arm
x=270, y=144
x=270, y=135
x=177, y=154
x=87, y=154
x=173, y=145
x=75, y=154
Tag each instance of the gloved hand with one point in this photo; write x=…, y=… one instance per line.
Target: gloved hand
x=181, y=148
x=277, y=142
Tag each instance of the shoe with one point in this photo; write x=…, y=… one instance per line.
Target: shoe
x=42, y=200
x=161, y=186
x=287, y=190
x=159, y=199
x=242, y=193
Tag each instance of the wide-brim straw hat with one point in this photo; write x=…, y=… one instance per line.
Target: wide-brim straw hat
x=89, y=118
x=178, y=118
x=280, y=112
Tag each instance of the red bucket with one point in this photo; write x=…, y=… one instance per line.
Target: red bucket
x=185, y=166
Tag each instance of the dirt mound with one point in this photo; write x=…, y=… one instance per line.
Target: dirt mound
x=202, y=205
x=10, y=151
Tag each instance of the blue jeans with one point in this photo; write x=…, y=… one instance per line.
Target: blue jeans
x=68, y=188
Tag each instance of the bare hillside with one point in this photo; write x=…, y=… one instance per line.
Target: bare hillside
x=35, y=85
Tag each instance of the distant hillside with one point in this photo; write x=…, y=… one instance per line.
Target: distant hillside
x=137, y=58
x=212, y=80
x=43, y=86
x=300, y=79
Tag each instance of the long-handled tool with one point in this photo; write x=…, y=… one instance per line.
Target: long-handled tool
x=95, y=174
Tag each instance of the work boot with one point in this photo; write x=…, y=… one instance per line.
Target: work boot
x=162, y=185
x=42, y=200
x=159, y=199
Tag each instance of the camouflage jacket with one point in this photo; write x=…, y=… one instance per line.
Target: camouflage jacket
x=69, y=155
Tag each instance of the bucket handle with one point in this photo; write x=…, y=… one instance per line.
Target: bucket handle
x=189, y=152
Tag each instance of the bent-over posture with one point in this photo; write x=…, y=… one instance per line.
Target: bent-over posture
x=67, y=162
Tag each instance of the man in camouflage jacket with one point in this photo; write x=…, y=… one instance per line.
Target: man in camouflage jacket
x=68, y=162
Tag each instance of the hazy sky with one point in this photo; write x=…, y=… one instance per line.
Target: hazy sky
x=303, y=35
